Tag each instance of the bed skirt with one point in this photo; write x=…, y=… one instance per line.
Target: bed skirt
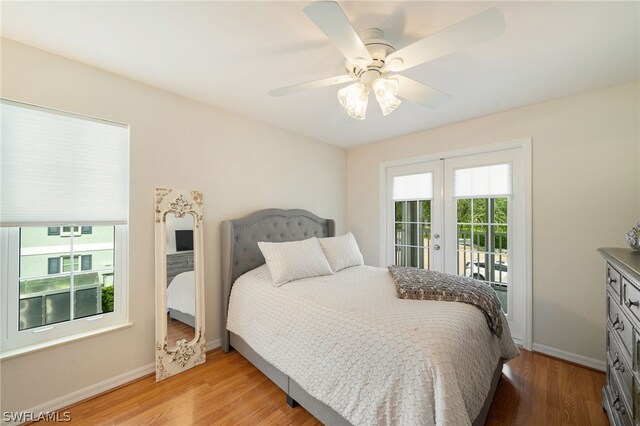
x=319, y=410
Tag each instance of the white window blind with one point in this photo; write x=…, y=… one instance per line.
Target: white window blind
x=483, y=182
x=61, y=168
x=413, y=187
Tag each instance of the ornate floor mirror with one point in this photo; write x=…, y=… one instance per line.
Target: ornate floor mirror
x=180, y=330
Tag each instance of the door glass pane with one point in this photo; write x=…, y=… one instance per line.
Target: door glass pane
x=500, y=214
x=401, y=233
x=464, y=210
x=479, y=239
x=413, y=233
x=412, y=207
x=425, y=211
x=479, y=210
x=482, y=246
x=400, y=207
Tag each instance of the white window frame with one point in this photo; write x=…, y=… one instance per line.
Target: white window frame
x=525, y=145
x=14, y=342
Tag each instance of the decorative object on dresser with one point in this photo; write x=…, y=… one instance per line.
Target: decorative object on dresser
x=633, y=237
x=621, y=394
x=180, y=325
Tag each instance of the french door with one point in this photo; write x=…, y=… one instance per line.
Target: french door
x=464, y=215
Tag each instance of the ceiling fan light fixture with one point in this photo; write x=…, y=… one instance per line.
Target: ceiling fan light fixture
x=386, y=90
x=354, y=99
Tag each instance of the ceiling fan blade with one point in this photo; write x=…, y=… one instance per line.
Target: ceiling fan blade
x=420, y=93
x=316, y=84
x=481, y=27
x=330, y=18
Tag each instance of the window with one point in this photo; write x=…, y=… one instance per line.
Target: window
x=77, y=291
x=66, y=262
x=66, y=231
x=86, y=262
x=64, y=253
x=53, y=266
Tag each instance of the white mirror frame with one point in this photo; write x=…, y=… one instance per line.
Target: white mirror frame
x=186, y=354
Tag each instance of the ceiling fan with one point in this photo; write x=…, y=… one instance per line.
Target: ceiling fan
x=372, y=62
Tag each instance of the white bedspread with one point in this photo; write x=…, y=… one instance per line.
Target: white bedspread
x=374, y=358
x=181, y=293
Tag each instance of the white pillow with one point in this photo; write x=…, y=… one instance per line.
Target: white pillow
x=294, y=260
x=342, y=252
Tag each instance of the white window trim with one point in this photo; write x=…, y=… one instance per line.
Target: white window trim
x=525, y=145
x=14, y=342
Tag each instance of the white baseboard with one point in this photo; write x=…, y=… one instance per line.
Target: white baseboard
x=596, y=364
x=98, y=388
x=88, y=392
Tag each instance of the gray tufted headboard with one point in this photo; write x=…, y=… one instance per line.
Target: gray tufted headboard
x=240, y=252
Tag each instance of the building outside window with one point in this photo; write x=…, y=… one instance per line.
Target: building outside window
x=45, y=300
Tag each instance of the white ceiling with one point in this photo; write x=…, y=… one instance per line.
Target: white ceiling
x=230, y=54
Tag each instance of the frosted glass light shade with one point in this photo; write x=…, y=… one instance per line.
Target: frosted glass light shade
x=483, y=182
x=386, y=90
x=413, y=187
x=58, y=168
x=354, y=99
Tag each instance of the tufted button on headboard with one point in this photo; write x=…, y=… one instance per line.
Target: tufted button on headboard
x=240, y=237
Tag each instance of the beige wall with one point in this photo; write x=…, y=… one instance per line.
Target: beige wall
x=240, y=165
x=586, y=195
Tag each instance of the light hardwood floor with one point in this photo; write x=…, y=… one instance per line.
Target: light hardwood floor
x=227, y=389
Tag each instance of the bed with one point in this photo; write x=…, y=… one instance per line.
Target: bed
x=181, y=288
x=343, y=346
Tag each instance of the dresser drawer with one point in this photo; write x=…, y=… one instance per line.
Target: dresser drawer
x=613, y=279
x=619, y=366
x=631, y=297
x=620, y=324
x=618, y=408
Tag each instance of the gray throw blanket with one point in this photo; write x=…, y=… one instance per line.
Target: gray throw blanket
x=419, y=284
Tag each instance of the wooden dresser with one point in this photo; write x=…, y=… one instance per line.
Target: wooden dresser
x=621, y=394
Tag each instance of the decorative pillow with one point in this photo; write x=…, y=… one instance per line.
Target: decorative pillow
x=294, y=260
x=342, y=252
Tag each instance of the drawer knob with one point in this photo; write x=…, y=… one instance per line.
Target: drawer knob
x=620, y=368
x=615, y=321
x=616, y=399
x=617, y=405
x=611, y=280
x=630, y=303
x=619, y=326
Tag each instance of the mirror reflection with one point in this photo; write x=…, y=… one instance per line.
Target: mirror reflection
x=181, y=283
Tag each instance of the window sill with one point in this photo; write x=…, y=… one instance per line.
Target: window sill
x=24, y=350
